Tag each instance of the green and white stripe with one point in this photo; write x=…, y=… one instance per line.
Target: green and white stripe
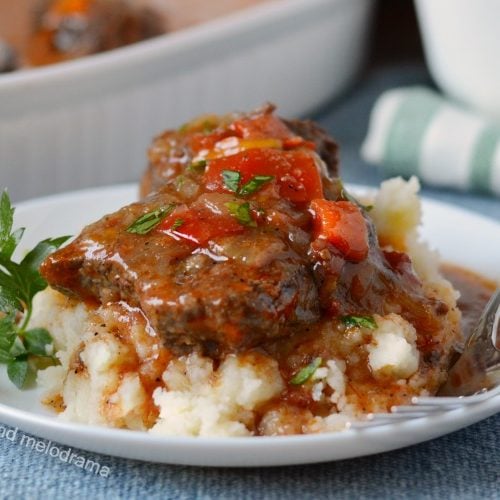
x=414, y=131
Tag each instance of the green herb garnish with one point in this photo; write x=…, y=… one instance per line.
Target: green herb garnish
x=19, y=283
x=184, y=128
x=348, y=197
x=177, y=224
x=361, y=321
x=231, y=179
x=179, y=182
x=241, y=212
x=254, y=184
x=209, y=126
x=148, y=221
x=306, y=373
x=198, y=166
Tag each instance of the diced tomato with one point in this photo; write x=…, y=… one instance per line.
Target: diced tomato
x=295, y=172
x=262, y=126
x=342, y=224
x=199, y=225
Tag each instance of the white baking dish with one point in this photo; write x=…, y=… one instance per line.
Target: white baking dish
x=462, y=47
x=88, y=122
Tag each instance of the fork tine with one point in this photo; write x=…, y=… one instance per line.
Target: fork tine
x=380, y=419
x=416, y=409
x=375, y=419
x=401, y=415
x=456, y=400
x=422, y=407
x=362, y=424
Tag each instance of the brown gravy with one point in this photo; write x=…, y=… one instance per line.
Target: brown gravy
x=475, y=291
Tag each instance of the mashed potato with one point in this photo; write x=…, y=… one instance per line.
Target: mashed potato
x=114, y=370
x=393, y=351
x=201, y=401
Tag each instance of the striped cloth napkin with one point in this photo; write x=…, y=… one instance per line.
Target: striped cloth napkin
x=415, y=131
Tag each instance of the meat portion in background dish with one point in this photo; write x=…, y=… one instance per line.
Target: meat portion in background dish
x=67, y=29
x=40, y=32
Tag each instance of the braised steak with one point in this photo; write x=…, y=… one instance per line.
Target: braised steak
x=244, y=235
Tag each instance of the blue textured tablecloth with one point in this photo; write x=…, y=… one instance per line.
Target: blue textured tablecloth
x=465, y=464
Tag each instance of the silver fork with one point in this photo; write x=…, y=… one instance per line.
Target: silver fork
x=473, y=379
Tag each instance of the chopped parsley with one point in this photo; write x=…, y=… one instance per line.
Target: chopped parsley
x=306, y=373
x=184, y=128
x=209, y=126
x=348, y=197
x=254, y=184
x=231, y=180
x=179, y=182
x=21, y=349
x=198, y=166
x=241, y=212
x=177, y=224
x=148, y=221
x=361, y=321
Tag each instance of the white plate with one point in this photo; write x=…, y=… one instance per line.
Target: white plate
x=461, y=236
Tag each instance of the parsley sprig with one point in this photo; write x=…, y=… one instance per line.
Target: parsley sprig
x=22, y=349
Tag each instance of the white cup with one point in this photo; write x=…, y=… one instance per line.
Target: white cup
x=462, y=46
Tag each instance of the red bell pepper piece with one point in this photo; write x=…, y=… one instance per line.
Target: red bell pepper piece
x=342, y=224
